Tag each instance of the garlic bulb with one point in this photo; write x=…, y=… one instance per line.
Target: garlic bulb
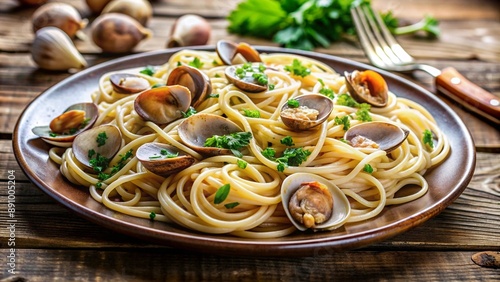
x=53, y=50
x=140, y=10
x=189, y=30
x=61, y=15
x=118, y=33
x=96, y=6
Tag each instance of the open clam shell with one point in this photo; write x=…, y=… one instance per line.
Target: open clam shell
x=367, y=87
x=195, y=80
x=195, y=130
x=246, y=83
x=341, y=208
x=125, y=83
x=109, y=144
x=297, y=119
x=64, y=139
x=163, y=159
x=236, y=53
x=163, y=104
x=376, y=134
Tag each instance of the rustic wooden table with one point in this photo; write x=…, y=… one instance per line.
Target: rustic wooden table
x=51, y=243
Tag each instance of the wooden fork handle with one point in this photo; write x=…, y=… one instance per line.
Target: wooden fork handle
x=451, y=83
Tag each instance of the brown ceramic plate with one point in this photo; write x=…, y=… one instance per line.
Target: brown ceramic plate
x=446, y=181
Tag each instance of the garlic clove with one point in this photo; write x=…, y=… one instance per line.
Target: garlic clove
x=61, y=15
x=53, y=50
x=189, y=30
x=140, y=10
x=118, y=33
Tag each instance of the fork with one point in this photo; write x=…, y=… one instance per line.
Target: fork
x=383, y=51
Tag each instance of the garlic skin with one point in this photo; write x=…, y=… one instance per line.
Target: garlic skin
x=53, y=50
x=140, y=10
x=118, y=33
x=96, y=6
x=60, y=15
x=189, y=30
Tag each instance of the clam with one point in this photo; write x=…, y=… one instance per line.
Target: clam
x=367, y=87
x=125, y=83
x=64, y=128
x=104, y=140
x=313, y=202
x=242, y=76
x=163, y=159
x=163, y=104
x=376, y=134
x=312, y=110
x=231, y=53
x=195, y=80
x=195, y=130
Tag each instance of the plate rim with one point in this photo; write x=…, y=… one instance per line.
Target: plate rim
x=199, y=241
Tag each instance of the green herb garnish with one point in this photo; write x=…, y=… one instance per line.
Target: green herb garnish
x=152, y=215
x=101, y=139
x=251, y=113
x=191, y=111
x=296, y=68
x=287, y=141
x=222, y=194
x=241, y=163
x=231, y=205
x=233, y=142
x=345, y=121
x=196, y=63
x=368, y=168
x=293, y=103
x=149, y=70
x=427, y=138
x=213, y=95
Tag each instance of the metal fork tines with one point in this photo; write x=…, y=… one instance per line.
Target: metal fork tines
x=380, y=46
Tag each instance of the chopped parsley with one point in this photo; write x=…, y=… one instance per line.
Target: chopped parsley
x=241, y=163
x=101, y=139
x=233, y=142
x=287, y=141
x=52, y=134
x=196, y=63
x=368, y=168
x=343, y=140
x=271, y=86
x=363, y=113
x=149, y=70
x=213, y=95
x=99, y=164
x=296, y=68
x=346, y=100
x=165, y=154
x=215, y=63
x=152, y=215
x=158, y=85
x=293, y=103
x=261, y=78
x=222, y=193
x=290, y=157
x=345, y=121
x=251, y=113
x=191, y=111
x=427, y=138
x=231, y=205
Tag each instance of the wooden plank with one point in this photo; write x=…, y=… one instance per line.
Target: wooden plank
x=173, y=265
x=466, y=224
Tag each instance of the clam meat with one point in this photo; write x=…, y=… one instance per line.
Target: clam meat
x=376, y=135
x=163, y=104
x=367, y=87
x=64, y=128
x=163, y=159
x=306, y=111
x=312, y=202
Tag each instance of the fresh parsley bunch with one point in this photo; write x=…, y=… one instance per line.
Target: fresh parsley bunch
x=299, y=24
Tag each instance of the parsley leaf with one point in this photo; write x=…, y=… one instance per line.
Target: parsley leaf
x=296, y=68
x=427, y=138
x=152, y=215
x=368, y=168
x=290, y=157
x=233, y=141
x=101, y=139
x=363, y=114
x=222, y=193
x=241, y=164
x=231, y=205
x=196, y=63
x=293, y=103
x=251, y=113
x=191, y=111
x=345, y=121
x=149, y=70
x=269, y=153
x=288, y=141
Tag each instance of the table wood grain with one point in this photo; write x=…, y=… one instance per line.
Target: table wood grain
x=53, y=244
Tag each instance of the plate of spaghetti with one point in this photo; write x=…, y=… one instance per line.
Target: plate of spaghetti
x=183, y=177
